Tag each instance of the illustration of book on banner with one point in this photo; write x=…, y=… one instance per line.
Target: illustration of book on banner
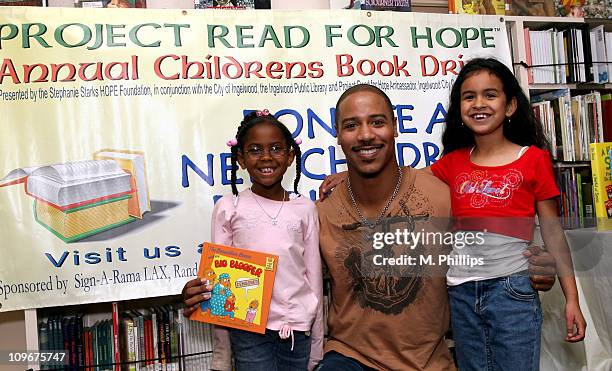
x=78, y=199
x=132, y=162
x=242, y=283
x=602, y=184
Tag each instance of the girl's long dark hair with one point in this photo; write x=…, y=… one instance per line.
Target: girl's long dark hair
x=250, y=121
x=522, y=128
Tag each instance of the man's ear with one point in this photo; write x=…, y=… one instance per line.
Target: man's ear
x=240, y=159
x=337, y=135
x=395, y=132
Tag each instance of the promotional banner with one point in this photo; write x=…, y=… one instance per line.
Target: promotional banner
x=115, y=123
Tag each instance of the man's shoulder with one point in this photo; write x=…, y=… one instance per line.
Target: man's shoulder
x=435, y=190
x=430, y=180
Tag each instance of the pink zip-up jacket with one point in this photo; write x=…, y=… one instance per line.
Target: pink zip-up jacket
x=297, y=295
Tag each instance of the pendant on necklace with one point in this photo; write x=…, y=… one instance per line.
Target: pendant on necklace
x=274, y=221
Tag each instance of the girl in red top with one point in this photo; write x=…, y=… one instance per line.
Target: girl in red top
x=497, y=166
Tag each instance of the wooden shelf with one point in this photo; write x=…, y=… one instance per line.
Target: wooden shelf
x=584, y=86
x=542, y=21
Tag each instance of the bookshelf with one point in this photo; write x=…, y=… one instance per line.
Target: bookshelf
x=579, y=115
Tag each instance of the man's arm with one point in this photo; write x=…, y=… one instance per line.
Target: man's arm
x=542, y=271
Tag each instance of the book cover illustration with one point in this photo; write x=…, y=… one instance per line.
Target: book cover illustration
x=232, y=4
x=110, y=4
x=78, y=199
x=570, y=8
x=242, y=283
x=477, y=7
x=393, y=5
x=602, y=184
x=541, y=8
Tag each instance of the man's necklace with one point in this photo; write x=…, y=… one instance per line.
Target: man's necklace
x=275, y=217
x=364, y=221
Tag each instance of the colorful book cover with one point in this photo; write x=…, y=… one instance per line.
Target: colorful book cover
x=602, y=184
x=490, y=7
x=539, y=8
x=242, y=283
x=396, y=5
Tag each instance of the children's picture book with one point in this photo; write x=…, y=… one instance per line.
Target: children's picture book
x=232, y=4
x=540, y=8
x=110, y=4
x=490, y=7
x=602, y=184
x=242, y=283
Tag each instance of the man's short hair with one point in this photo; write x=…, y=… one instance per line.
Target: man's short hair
x=358, y=88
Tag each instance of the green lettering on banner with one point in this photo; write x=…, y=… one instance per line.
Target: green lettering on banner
x=111, y=35
x=305, y=33
x=212, y=36
x=37, y=36
x=269, y=34
x=133, y=35
x=13, y=31
x=59, y=35
x=415, y=37
x=241, y=37
x=456, y=33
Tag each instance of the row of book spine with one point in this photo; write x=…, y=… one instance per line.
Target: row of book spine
x=575, y=54
x=576, y=206
x=572, y=123
x=152, y=339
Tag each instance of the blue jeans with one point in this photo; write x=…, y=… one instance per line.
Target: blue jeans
x=496, y=324
x=268, y=352
x=334, y=361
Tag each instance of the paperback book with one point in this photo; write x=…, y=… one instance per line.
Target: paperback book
x=602, y=184
x=242, y=283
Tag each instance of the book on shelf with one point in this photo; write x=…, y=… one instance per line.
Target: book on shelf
x=570, y=8
x=491, y=7
x=536, y=8
x=110, y=341
x=232, y=4
x=396, y=5
x=598, y=55
x=20, y=2
x=110, y=3
x=602, y=184
x=575, y=203
x=606, y=109
x=242, y=283
x=565, y=56
x=570, y=123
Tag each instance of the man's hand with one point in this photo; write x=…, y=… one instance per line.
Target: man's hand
x=542, y=272
x=330, y=182
x=194, y=292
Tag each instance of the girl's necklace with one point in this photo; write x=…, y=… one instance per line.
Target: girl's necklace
x=275, y=217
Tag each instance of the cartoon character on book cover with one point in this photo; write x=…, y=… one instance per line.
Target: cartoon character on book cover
x=78, y=199
x=241, y=296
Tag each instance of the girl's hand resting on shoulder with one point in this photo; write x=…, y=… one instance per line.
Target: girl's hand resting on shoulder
x=574, y=320
x=194, y=292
